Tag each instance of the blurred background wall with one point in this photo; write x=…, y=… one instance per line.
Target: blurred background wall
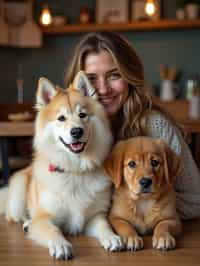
x=172, y=47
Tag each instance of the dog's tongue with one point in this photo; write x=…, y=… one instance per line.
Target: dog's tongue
x=76, y=146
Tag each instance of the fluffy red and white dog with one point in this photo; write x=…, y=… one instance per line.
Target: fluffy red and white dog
x=66, y=187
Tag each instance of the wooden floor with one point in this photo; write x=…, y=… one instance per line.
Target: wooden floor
x=15, y=249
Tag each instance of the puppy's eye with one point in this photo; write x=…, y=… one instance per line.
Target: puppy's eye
x=82, y=115
x=61, y=118
x=132, y=164
x=154, y=163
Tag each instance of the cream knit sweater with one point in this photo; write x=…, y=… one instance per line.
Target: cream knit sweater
x=187, y=184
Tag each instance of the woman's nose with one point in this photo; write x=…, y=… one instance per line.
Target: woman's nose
x=103, y=87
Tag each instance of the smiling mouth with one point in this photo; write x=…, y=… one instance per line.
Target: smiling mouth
x=75, y=147
x=106, y=100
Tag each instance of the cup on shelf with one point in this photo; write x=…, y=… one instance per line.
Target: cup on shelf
x=192, y=11
x=194, y=107
x=169, y=90
x=59, y=20
x=180, y=13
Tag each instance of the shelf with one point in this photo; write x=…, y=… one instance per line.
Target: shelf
x=164, y=24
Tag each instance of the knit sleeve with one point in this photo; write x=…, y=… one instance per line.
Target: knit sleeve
x=187, y=183
x=160, y=127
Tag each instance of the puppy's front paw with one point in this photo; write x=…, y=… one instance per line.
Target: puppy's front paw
x=164, y=242
x=60, y=248
x=26, y=225
x=133, y=243
x=112, y=243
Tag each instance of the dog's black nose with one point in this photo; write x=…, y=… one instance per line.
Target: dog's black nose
x=76, y=132
x=145, y=182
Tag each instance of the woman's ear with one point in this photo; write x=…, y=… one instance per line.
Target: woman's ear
x=82, y=84
x=45, y=92
x=114, y=164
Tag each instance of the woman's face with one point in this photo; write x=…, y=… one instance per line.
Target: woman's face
x=105, y=77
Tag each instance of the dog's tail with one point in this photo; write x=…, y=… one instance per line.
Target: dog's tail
x=17, y=195
x=3, y=199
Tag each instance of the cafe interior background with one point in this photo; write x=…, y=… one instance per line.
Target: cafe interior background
x=173, y=46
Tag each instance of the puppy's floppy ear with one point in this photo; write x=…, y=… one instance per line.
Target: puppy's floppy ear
x=172, y=162
x=114, y=163
x=45, y=93
x=82, y=83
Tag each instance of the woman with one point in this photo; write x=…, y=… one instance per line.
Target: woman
x=115, y=70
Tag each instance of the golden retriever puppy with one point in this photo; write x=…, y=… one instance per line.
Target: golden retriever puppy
x=142, y=170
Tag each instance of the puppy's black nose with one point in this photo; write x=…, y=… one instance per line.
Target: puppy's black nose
x=76, y=132
x=145, y=182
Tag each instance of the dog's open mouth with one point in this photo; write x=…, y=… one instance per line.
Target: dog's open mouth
x=75, y=147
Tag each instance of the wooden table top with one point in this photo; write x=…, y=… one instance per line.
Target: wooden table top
x=17, y=250
x=11, y=129
x=190, y=126
x=179, y=109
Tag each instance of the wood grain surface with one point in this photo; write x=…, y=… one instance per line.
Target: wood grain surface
x=16, y=249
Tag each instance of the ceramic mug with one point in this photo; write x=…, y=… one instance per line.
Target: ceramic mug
x=169, y=90
x=194, y=107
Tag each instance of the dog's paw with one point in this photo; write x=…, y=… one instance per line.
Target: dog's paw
x=133, y=243
x=112, y=243
x=26, y=225
x=164, y=242
x=60, y=249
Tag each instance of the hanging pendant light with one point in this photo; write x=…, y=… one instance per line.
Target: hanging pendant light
x=45, y=17
x=150, y=8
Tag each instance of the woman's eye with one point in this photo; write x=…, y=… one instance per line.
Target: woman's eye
x=61, y=118
x=82, y=115
x=114, y=76
x=132, y=164
x=154, y=163
x=92, y=79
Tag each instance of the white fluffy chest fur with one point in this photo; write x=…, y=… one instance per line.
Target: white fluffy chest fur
x=72, y=199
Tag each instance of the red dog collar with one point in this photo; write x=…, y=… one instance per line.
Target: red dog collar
x=53, y=168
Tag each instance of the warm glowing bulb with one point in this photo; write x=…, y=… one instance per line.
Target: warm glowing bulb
x=45, y=18
x=150, y=8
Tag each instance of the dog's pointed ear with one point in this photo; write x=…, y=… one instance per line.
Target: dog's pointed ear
x=114, y=164
x=82, y=83
x=172, y=162
x=45, y=92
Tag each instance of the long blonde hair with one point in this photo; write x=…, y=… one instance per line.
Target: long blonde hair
x=131, y=69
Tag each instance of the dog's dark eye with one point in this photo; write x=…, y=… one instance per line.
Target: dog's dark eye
x=82, y=115
x=132, y=164
x=154, y=163
x=61, y=118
